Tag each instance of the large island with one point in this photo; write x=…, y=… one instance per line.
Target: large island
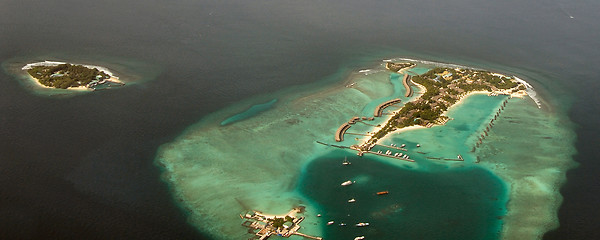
x=443, y=86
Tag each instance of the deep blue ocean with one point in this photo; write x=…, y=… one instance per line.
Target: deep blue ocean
x=459, y=204
x=83, y=167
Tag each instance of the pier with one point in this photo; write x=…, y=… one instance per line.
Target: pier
x=394, y=147
x=391, y=156
x=332, y=145
x=406, y=83
x=489, y=127
x=379, y=109
x=268, y=225
x=339, y=134
x=446, y=159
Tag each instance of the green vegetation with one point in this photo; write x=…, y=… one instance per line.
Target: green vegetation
x=66, y=75
x=398, y=66
x=444, y=86
x=278, y=222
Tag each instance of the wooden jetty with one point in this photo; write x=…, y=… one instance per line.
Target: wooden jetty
x=339, y=134
x=268, y=225
x=399, y=148
x=332, y=145
x=391, y=156
x=406, y=83
x=446, y=159
x=379, y=109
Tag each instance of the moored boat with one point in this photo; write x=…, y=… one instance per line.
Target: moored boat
x=346, y=162
x=346, y=183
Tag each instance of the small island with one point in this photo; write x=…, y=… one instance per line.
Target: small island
x=268, y=225
x=63, y=75
x=397, y=67
x=443, y=87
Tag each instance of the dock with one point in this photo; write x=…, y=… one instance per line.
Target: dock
x=379, y=109
x=268, y=225
x=394, y=147
x=339, y=134
x=391, y=156
x=332, y=145
x=406, y=83
x=446, y=159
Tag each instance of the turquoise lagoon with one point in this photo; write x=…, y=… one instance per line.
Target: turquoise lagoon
x=270, y=161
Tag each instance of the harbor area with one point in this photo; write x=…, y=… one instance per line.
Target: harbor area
x=264, y=226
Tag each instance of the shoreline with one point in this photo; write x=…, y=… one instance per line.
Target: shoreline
x=112, y=78
x=271, y=127
x=369, y=140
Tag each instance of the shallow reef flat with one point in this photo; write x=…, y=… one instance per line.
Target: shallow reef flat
x=218, y=171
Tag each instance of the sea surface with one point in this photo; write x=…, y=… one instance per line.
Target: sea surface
x=88, y=166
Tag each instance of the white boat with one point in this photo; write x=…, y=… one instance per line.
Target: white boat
x=319, y=215
x=403, y=145
x=418, y=145
x=346, y=162
x=352, y=200
x=346, y=183
x=330, y=222
x=362, y=224
x=342, y=224
x=359, y=238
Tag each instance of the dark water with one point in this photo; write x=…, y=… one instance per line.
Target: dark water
x=83, y=167
x=451, y=204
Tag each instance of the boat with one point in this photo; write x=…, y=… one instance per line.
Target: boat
x=418, y=145
x=362, y=224
x=460, y=157
x=319, y=215
x=346, y=183
x=330, y=222
x=382, y=193
x=342, y=224
x=403, y=145
x=359, y=238
x=346, y=162
x=352, y=200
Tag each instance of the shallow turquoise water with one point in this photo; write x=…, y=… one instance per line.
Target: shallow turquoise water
x=276, y=164
x=461, y=203
x=458, y=136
